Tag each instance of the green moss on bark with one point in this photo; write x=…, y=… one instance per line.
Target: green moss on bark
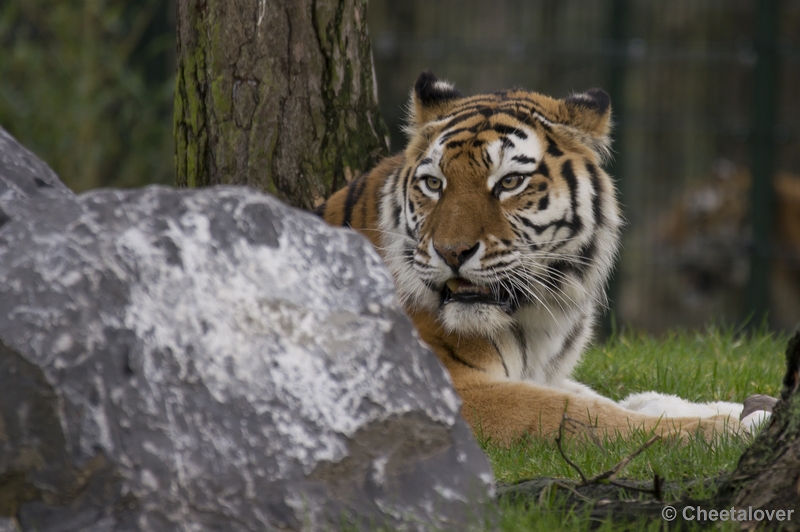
x=276, y=94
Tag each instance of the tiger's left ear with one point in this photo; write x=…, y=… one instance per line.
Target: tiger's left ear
x=590, y=114
x=430, y=99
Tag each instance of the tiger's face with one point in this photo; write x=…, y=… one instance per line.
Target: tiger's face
x=501, y=206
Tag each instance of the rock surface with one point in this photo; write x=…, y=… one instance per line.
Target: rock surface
x=212, y=360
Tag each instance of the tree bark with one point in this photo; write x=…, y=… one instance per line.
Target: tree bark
x=276, y=94
x=767, y=476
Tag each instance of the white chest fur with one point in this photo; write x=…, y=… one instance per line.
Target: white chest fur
x=545, y=345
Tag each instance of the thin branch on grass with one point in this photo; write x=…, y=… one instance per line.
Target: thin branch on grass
x=655, y=491
x=559, y=439
x=612, y=473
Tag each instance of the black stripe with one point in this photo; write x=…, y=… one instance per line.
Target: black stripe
x=523, y=117
x=587, y=254
x=509, y=130
x=538, y=228
x=473, y=155
x=409, y=234
x=406, y=179
x=557, y=271
x=474, y=103
x=354, y=191
x=400, y=218
x=364, y=204
x=452, y=353
x=503, y=264
x=457, y=120
x=524, y=159
x=543, y=169
x=455, y=144
x=552, y=149
x=396, y=207
x=396, y=213
x=490, y=255
x=544, y=202
x=502, y=360
x=572, y=182
x=446, y=136
x=599, y=218
x=475, y=107
x=522, y=343
x=468, y=113
x=569, y=341
x=320, y=210
x=512, y=112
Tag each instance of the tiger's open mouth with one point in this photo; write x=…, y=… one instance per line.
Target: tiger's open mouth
x=462, y=291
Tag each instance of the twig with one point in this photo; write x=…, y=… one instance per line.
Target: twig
x=561, y=450
x=655, y=491
x=658, y=482
x=573, y=490
x=614, y=471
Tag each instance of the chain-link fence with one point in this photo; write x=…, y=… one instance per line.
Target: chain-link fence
x=707, y=142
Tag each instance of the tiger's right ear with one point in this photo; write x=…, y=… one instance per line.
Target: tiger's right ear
x=430, y=99
x=589, y=114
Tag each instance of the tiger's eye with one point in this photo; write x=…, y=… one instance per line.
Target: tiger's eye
x=433, y=183
x=511, y=182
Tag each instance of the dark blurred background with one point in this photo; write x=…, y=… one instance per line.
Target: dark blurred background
x=88, y=85
x=705, y=95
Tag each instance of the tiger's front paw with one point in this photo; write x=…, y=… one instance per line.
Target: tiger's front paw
x=756, y=411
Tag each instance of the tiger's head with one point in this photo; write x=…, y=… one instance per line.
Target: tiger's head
x=500, y=208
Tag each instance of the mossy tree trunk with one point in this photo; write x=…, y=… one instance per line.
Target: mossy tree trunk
x=768, y=473
x=276, y=94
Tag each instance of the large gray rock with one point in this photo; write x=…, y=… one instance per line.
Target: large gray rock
x=212, y=360
x=23, y=175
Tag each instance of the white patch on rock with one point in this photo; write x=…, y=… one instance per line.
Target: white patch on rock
x=149, y=480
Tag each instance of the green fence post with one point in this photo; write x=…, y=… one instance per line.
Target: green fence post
x=618, y=32
x=765, y=92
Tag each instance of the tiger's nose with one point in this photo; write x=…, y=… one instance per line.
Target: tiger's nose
x=456, y=255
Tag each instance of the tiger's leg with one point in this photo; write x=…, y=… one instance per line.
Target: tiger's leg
x=506, y=410
x=658, y=404
x=671, y=406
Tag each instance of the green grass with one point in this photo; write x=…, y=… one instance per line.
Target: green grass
x=712, y=365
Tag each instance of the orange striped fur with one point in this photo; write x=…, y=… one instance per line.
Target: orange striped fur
x=500, y=228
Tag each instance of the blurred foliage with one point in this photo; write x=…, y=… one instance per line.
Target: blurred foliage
x=88, y=87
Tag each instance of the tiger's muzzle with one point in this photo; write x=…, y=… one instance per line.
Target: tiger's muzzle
x=458, y=290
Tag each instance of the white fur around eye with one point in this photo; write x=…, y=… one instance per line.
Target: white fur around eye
x=520, y=154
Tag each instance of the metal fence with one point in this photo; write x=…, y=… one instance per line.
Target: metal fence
x=707, y=107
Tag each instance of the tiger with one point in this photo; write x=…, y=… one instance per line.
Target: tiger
x=705, y=235
x=500, y=229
